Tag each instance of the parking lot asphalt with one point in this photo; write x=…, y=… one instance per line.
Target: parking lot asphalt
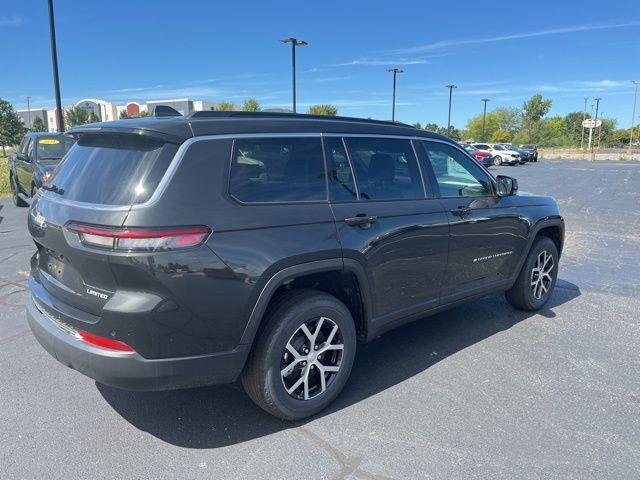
x=480, y=391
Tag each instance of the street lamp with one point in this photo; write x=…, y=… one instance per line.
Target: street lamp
x=484, y=116
x=395, y=72
x=54, y=61
x=451, y=86
x=633, y=115
x=294, y=43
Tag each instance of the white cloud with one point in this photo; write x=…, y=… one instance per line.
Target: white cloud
x=515, y=36
x=11, y=21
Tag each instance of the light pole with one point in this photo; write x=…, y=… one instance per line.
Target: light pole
x=451, y=86
x=395, y=72
x=584, y=117
x=54, y=61
x=633, y=115
x=484, y=116
x=592, y=144
x=294, y=43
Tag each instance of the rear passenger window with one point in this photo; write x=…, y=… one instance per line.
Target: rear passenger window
x=341, y=182
x=386, y=168
x=278, y=170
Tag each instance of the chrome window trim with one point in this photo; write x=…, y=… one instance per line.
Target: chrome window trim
x=182, y=149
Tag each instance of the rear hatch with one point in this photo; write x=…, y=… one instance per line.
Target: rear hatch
x=96, y=184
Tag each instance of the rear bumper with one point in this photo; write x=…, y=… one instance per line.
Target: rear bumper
x=131, y=371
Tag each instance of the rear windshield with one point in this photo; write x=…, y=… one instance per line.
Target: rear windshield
x=53, y=148
x=112, y=169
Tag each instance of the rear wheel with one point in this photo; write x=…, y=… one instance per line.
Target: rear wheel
x=538, y=276
x=303, y=357
x=17, y=201
x=497, y=160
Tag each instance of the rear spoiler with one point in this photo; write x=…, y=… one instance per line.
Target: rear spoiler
x=77, y=132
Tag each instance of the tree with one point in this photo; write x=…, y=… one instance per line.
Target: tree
x=11, y=127
x=251, y=105
x=474, y=127
x=501, y=136
x=77, y=116
x=323, y=109
x=225, y=106
x=93, y=118
x=417, y=125
x=38, y=125
x=123, y=114
x=573, y=125
x=533, y=110
x=509, y=119
x=143, y=113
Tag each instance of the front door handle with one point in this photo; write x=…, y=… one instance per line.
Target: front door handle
x=462, y=212
x=362, y=220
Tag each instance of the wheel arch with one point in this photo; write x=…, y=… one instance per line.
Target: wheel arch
x=552, y=227
x=343, y=278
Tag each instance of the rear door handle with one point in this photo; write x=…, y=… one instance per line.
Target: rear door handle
x=362, y=220
x=461, y=212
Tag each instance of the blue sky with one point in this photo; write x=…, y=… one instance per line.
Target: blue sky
x=142, y=50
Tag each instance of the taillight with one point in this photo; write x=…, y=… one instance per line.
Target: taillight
x=104, y=342
x=140, y=239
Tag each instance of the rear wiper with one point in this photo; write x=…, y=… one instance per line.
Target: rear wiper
x=54, y=189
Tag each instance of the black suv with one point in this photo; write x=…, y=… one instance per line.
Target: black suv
x=187, y=251
x=30, y=166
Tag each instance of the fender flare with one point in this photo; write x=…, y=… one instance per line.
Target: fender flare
x=288, y=273
x=551, y=221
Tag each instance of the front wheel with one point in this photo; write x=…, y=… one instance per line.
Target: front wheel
x=538, y=276
x=497, y=160
x=303, y=356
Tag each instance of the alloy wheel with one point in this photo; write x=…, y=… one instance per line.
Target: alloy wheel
x=312, y=358
x=497, y=160
x=541, y=274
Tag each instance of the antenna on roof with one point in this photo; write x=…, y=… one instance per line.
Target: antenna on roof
x=165, y=111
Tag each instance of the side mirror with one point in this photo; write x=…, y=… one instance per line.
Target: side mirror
x=506, y=186
x=22, y=157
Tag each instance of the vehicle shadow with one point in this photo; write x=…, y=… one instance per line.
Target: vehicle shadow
x=224, y=415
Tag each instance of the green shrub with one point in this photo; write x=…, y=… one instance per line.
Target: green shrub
x=5, y=189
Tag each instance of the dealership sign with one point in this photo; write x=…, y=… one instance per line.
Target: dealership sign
x=591, y=123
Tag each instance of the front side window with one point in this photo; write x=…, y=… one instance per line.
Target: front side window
x=277, y=170
x=456, y=174
x=386, y=168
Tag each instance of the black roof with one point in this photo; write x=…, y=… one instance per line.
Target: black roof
x=180, y=128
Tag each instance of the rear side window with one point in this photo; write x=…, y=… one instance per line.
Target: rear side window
x=113, y=169
x=386, y=168
x=278, y=170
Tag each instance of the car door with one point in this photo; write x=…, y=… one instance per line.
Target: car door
x=389, y=221
x=24, y=168
x=487, y=236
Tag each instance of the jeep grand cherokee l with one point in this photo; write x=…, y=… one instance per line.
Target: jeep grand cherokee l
x=186, y=251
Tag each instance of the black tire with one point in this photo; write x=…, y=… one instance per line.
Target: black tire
x=17, y=201
x=497, y=160
x=262, y=379
x=524, y=295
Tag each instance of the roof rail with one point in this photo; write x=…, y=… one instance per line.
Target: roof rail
x=164, y=111
x=240, y=114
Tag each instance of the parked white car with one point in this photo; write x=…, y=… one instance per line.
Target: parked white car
x=500, y=153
